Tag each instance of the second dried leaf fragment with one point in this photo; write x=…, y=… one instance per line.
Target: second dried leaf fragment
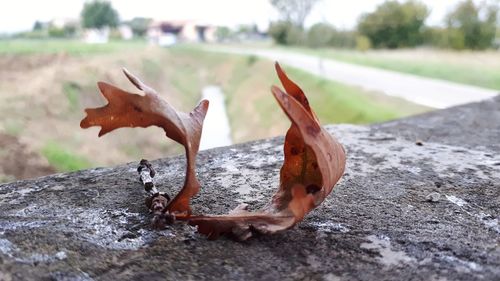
x=125, y=109
x=314, y=162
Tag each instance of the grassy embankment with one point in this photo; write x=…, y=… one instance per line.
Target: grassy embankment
x=71, y=47
x=44, y=87
x=254, y=113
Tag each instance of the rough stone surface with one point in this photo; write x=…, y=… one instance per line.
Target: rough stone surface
x=475, y=125
x=376, y=225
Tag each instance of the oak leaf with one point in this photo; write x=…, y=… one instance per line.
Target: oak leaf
x=125, y=109
x=314, y=162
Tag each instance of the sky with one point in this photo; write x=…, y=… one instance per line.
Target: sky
x=19, y=15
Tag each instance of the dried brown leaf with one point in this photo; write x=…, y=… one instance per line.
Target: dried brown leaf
x=314, y=162
x=125, y=109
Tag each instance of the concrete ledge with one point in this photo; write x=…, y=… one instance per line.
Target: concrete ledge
x=402, y=211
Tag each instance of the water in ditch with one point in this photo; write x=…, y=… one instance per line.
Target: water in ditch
x=216, y=129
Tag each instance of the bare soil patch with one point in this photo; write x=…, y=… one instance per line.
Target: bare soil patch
x=18, y=162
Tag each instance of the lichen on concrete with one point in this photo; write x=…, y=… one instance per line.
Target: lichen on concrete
x=378, y=223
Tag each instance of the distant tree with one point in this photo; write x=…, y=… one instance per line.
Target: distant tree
x=39, y=30
x=223, y=33
x=496, y=41
x=37, y=26
x=296, y=36
x=323, y=35
x=363, y=43
x=67, y=31
x=56, y=32
x=286, y=33
x=343, y=39
x=394, y=24
x=139, y=26
x=278, y=31
x=99, y=14
x=320, y=35
x=244, y=28
x=474, y=24
x=294, y=11
x=70, y=29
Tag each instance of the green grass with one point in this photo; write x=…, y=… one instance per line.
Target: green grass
x=72, y=92
x=63, y=159
x=13, y=127
x=68, y=46
x=185, y=79
x=189, y=70
x=450, y=66
x=6, y=178
x=466, y=74
x=151, y=69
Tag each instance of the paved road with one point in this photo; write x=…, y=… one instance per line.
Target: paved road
x=426, y=91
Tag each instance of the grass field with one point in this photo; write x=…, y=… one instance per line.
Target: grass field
x=45, y=86
x=467, y=67
x=62, y=159
x=72, y=47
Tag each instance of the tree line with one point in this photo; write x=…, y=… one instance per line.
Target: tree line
x=393, y=24
x=95, y=14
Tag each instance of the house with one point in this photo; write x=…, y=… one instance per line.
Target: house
x=63, y=22
x=96, y=36
x=126, y=32
x=166, y=33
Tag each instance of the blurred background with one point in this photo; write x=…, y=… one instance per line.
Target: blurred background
x=53, y=52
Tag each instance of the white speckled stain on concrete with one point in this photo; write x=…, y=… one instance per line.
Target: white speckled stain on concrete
x=6, y=247
x=464, y=266
x=443, y=158
x=262, y=147
x=242, y=177
x=9, y=249
x=314, y=261
x=489, y=221
x=388, y=257
x=455, y=200
x=331, y=277
x=15, y=195
x=330, y=227
x=106, y=227
x=38, y=258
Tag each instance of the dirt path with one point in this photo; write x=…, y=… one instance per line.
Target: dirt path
x=426, y=91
